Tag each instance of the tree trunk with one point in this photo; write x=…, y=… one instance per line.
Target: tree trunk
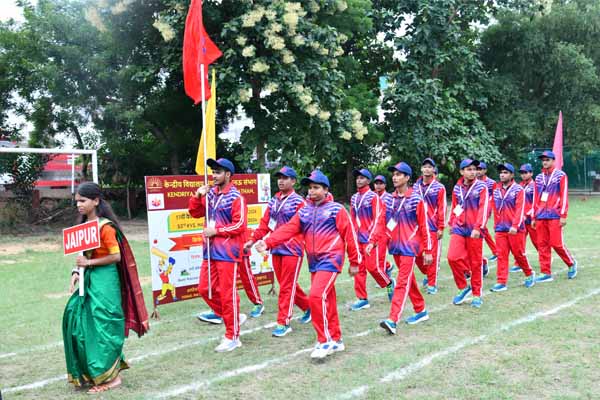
x=128, y=199
x=174, y=161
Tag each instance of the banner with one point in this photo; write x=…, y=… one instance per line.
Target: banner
x=175, y=238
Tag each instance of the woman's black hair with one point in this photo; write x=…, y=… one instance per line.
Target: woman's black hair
x=92, y=191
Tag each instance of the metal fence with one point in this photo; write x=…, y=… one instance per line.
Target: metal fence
x=583, y=171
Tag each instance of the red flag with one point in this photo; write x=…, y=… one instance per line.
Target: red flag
x=557, y=149
x=197, y=49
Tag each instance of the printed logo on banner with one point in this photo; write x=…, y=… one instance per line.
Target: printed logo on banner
x=154, y=183
x=156, y=201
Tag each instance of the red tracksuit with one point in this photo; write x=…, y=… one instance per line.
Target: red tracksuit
x=434, y=195
x=287, y=257
x=368, y=215
x=382, y=247
x=249, y=280
x=328, y=233
x=464, y=252
x=509, y=212
x=485, y=233
x=529, y=189
x=228, y=212
x=409, y=236
x=550, y=203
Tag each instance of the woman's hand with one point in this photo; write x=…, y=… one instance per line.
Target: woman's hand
x=82, y=261
x=74, y=280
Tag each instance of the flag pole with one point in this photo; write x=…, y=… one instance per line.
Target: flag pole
x=206, y=215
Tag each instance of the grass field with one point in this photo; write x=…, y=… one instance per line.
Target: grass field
x=522, y=344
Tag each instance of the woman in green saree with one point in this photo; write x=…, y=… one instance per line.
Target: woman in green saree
x=95, y=325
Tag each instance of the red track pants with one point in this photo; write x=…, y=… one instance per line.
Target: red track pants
x=550, y=236
x=249, y=282
x=323, y=306
x=506, y=244
x=432, y=269
x=465, y=255
x=406, y=286
x=287, y=270
x=371, y=263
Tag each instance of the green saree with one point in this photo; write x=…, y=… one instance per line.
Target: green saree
x=94, y=329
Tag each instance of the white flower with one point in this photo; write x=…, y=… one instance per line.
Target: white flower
x=312, y=110
x=92, y=15
x=313, y=6
x=346, y=135
x=241, y=40
x=118, y=8
x=249, y=51
x=165, y=29
x=341, y=5
x=259, y=66
x=250, y=19
x=275, y=42
x=324, y=115
x=299, y=40
x=271, y=87
x=342, y=38
x=305, y=99
x=323, y=51
x=276, y=27
x=356, y=115
x=288, y=57
x=245, y=95
x=338, y=52
x=270, y=15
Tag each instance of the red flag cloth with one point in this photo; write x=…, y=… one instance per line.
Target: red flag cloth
x=557, y=149
x=197, y=49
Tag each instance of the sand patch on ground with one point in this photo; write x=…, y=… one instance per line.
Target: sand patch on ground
x=9, y=249
x=596, y=218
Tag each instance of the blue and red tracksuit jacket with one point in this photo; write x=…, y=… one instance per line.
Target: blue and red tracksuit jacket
x=328, y=233
x=490, y=184
x=474, y=200
x=228, y=209
x=368, y=216
x=554, y=182
x=280, y=210
x=410, y=234
x=529, y=189
x=509, y=207
x=387, y=199
x=434, y=195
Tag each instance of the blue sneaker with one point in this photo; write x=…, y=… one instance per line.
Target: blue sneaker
x=281, y=330
x=418, y=317
x=493, y=258
x=425, y=282
x=257, y=310
x=388, y=269
x=338, y=346
x=390, y=289
x=210, y=317
x=460, y=297
x=432, y=289
x=544, y=278
x=530, y=280
x=306, y=318
x=498, y=287
x=360, y=304
x=515, y=268
x=388, y=325
x=572, y=273
x=486, y=270
x=476, y=302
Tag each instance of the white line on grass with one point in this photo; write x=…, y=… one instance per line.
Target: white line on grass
x=405, y=372
x=206, y=340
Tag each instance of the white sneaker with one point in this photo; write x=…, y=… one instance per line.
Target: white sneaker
x=243, y=318
x=338, y=346
x=228, y=345
x=322, y=350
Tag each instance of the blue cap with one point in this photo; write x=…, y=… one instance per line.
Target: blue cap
x=547, y=154
x=362, y=172
x=286, y=171
x=506, y=166
x=482, y=165
x=526, y=168
x=401, y=167
x=428, y=161
x=467, y=162
x=222, y=163
x=379, y=178
x=315, y=177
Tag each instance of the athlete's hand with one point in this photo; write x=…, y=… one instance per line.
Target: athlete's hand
x=202, y=190
x=475, y=234
x=369, y=248
x=82, y=261
x=533, y=223
x=353, y=270
x=427, y=259
x=248, y=244
x=512, y=231
x=563, y=221
x=440, y=234
x=74, y=279
x=210, y=232
x=260, y=246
